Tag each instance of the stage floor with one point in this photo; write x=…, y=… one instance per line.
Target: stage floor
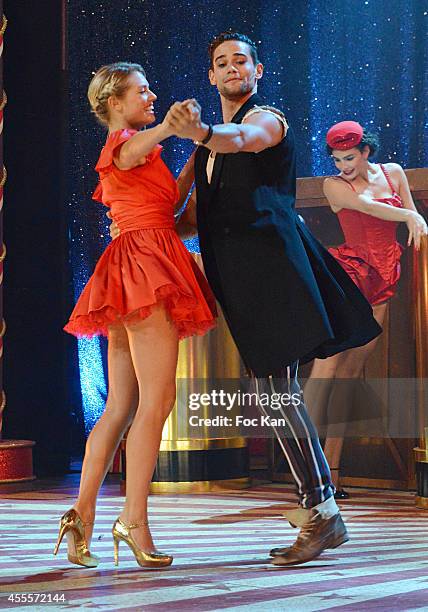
x=220, y=544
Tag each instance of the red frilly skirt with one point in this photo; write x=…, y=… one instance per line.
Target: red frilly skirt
x=137, y=271
x=378, y=285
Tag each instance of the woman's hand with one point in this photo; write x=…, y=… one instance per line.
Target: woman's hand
x=184, y=119
x=417, y=228
x=180, y=116
x=113, y=228
x=167, y=125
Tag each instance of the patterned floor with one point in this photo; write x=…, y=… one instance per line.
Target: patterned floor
x=220, y=545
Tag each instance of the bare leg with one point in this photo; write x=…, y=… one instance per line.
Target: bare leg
x=318, y=386
x=350, y=366
x=154, y=350
x=103, y=440
x=317, y=396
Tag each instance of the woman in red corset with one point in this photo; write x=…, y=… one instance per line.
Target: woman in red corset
x=145, y=294
x=370, y=201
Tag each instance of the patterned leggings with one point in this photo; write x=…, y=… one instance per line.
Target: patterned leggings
x=298, y=438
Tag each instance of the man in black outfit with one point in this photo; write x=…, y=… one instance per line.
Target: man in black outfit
x=284, y=297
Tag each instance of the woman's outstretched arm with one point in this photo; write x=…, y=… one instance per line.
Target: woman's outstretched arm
x=134, y=150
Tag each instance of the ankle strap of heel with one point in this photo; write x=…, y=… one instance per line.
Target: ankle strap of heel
x=136, y=525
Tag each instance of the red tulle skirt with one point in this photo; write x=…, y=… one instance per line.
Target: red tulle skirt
x=137, y=271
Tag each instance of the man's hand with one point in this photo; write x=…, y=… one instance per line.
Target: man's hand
x=113, y=229
x=184, y=119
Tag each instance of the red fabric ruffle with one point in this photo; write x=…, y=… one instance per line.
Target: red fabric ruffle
x=137, y=271
x=377, y=284
x=110, y=150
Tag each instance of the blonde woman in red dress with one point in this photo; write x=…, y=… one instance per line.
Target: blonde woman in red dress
x=370, y=201
x=145, y=294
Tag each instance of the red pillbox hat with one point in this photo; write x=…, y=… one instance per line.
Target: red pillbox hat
x=344, y=135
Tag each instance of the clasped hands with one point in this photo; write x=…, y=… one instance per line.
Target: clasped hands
x=184, y=120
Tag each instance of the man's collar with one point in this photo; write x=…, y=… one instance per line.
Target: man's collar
x=252, y=101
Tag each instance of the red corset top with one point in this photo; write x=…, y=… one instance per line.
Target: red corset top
x=369, y=237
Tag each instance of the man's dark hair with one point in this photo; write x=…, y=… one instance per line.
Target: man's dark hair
x=369, y=139
x=224, y=37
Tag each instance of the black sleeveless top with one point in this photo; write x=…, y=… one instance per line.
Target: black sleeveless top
x=283, y=295
x=248, y=187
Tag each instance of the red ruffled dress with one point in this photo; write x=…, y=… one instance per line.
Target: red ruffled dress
x=147, y=263
x=371, y=253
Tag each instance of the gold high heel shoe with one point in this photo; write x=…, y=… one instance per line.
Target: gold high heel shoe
x=71, y=522
x=120, y=531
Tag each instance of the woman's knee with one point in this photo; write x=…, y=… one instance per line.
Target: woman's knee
x=157, y=407
x=121, y=409
x=353, y=364
x=325, y=368
x=167, y=400
x=352, y=367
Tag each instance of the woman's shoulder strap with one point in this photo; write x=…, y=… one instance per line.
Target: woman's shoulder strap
x=388, y=178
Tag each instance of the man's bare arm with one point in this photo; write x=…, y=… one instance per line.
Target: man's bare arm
x=260, y=131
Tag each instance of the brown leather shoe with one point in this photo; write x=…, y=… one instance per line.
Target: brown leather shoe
x=315, y=536
x=278, y=552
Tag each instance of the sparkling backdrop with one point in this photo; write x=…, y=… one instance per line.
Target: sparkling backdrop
x=325, y=61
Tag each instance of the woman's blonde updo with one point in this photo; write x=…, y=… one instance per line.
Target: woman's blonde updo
x=110, y=80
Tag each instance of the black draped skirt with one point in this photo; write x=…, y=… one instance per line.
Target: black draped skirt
x=284, y=296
